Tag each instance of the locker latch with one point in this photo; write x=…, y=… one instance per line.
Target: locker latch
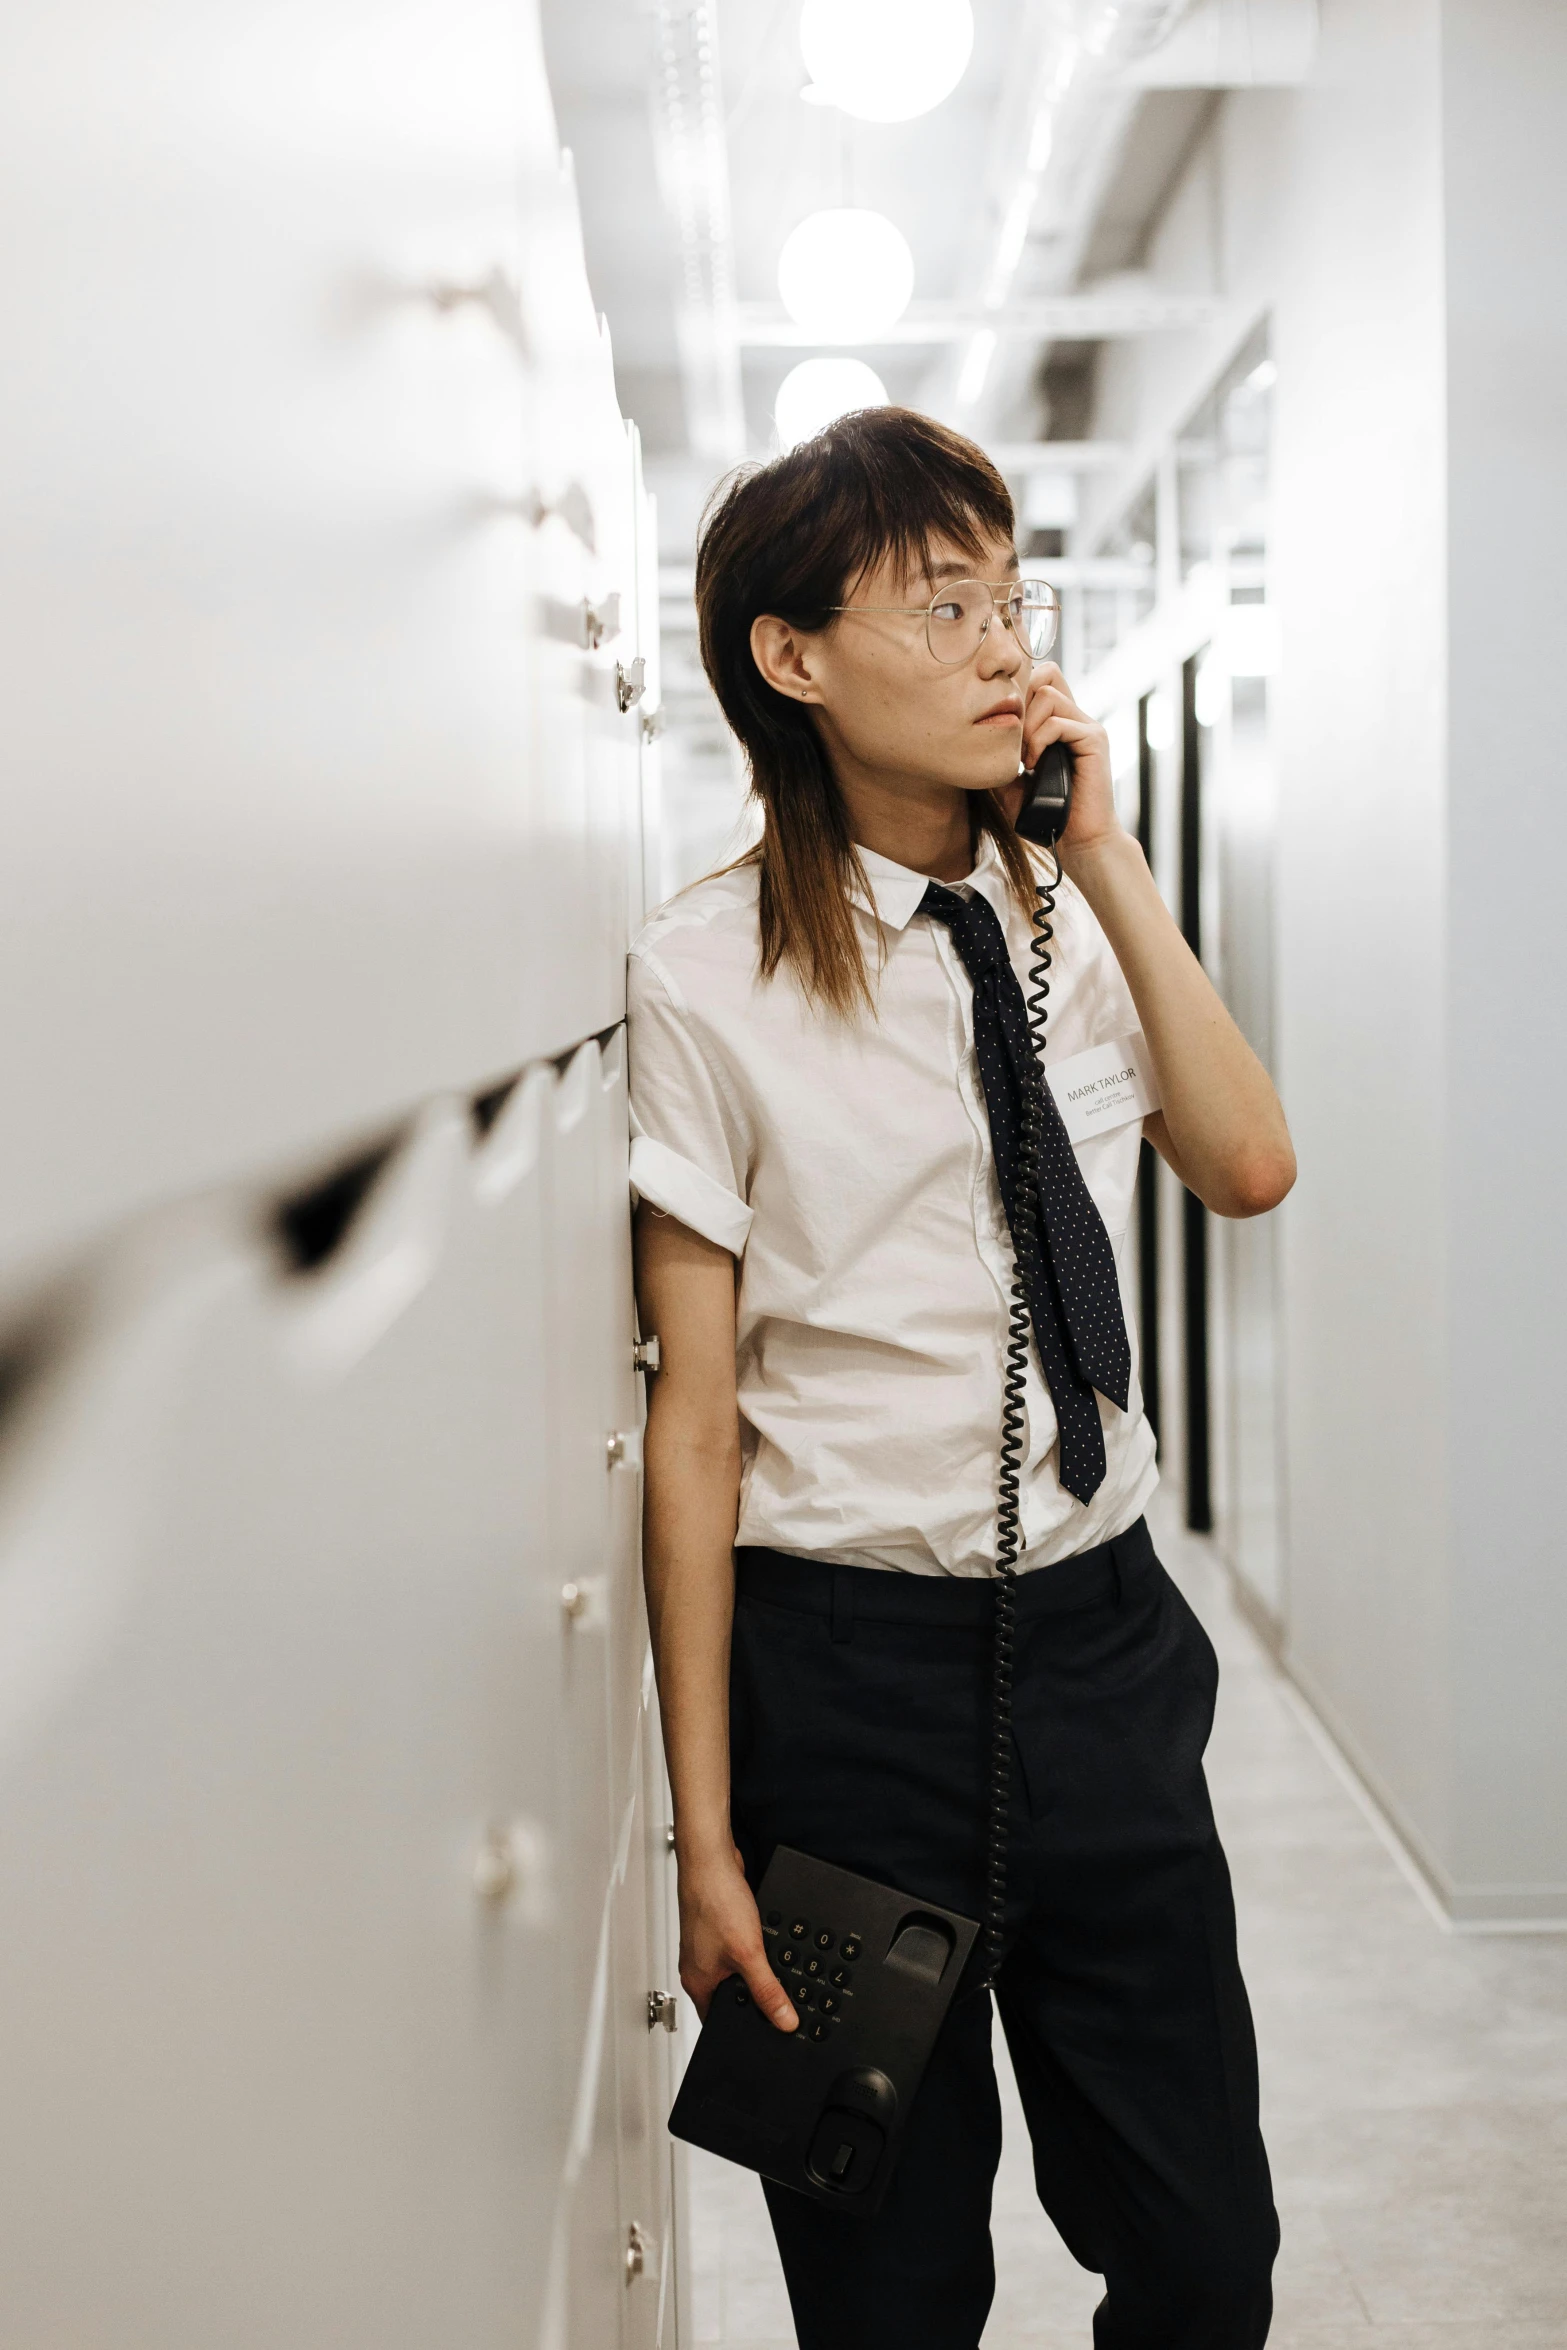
x=663, y=2007
x=630, y=684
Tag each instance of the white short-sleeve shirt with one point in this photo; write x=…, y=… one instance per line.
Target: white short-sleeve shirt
x=847, y=1166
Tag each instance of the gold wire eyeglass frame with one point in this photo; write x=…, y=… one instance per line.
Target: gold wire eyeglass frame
x=1009, y=597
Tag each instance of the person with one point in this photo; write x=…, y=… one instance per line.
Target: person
x=824, y=1159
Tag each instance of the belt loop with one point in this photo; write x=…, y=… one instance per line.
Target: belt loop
x=842, y=1603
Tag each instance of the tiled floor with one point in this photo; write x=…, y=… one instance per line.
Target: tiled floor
x=1414, y=2085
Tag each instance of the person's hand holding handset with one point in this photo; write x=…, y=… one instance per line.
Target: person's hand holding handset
x=1050, y=715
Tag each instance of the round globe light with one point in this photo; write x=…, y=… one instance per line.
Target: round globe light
x=819, y=391
x=846, y=275
x=886, y=60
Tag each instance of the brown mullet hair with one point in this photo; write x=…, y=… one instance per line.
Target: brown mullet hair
x=792, y=538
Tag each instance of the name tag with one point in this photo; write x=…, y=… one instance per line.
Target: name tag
x=1104, y=1087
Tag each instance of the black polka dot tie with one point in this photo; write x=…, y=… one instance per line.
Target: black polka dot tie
x=1074, y=1298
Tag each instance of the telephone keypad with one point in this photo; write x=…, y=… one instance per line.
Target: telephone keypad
x=813, y=1970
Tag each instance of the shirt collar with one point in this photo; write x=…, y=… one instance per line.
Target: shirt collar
x=895, y=891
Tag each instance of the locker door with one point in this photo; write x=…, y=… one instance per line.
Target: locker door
x=592, y=2282
x=273, y=445
x=580, y=1474
x=639, y=2126
x=255, y=1992
x=650, y=712
x=627, y=1613
x=667, y=2048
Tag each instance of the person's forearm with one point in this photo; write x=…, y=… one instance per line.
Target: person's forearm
x=1228, y=1138
x=692, y=1498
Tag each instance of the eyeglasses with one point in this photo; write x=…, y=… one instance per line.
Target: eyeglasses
x=958, y=617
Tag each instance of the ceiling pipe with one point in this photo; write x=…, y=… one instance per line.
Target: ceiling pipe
x=1056, y=155
x=693, y=172
x=1092, y=60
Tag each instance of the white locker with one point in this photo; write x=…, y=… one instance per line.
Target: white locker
x=253, y=1996
x=331, y=1823
x=316, y=799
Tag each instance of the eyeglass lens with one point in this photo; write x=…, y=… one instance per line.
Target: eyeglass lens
x=960, y=615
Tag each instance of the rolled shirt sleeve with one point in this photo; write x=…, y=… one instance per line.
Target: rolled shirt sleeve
x=689, y=1150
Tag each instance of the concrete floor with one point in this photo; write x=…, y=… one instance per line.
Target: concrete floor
x=1414, y=2083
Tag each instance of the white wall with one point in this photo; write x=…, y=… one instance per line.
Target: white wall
x=1398, y=218
x=1506, y=982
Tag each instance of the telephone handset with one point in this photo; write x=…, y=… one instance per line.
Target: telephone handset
x=1048, y=804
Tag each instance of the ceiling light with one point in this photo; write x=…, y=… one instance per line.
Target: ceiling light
x=886, y=60
x=819, y=391
x=846, y=275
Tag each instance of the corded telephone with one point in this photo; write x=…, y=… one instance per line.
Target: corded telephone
x=873, y=1971
x=822, y=2108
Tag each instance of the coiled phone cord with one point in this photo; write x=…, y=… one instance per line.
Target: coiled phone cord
x=1009, y=1529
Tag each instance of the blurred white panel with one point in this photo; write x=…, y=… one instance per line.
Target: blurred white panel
x=282, y=1859
x=666, y=2049
x=589, y=2278
x=315, y=799
x=639, y=2135
x=580, y=1421
x=651, y=708
x=609, y=1271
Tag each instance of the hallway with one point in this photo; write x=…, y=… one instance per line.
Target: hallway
x=1414, y=2081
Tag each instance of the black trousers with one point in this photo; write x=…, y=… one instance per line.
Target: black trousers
x=860, y=1705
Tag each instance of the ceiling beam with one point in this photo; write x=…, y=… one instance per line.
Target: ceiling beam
x=1057, y=456
x=1086, y=317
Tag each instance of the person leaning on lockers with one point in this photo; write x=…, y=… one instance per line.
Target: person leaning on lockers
x=826, y=1080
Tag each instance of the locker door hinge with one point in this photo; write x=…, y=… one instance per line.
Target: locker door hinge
x=644, y=1355
x=600, y=622
x=663, y=2007
x=636, y=2252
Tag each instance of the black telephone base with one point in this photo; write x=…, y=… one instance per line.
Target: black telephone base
x=822, y=2108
